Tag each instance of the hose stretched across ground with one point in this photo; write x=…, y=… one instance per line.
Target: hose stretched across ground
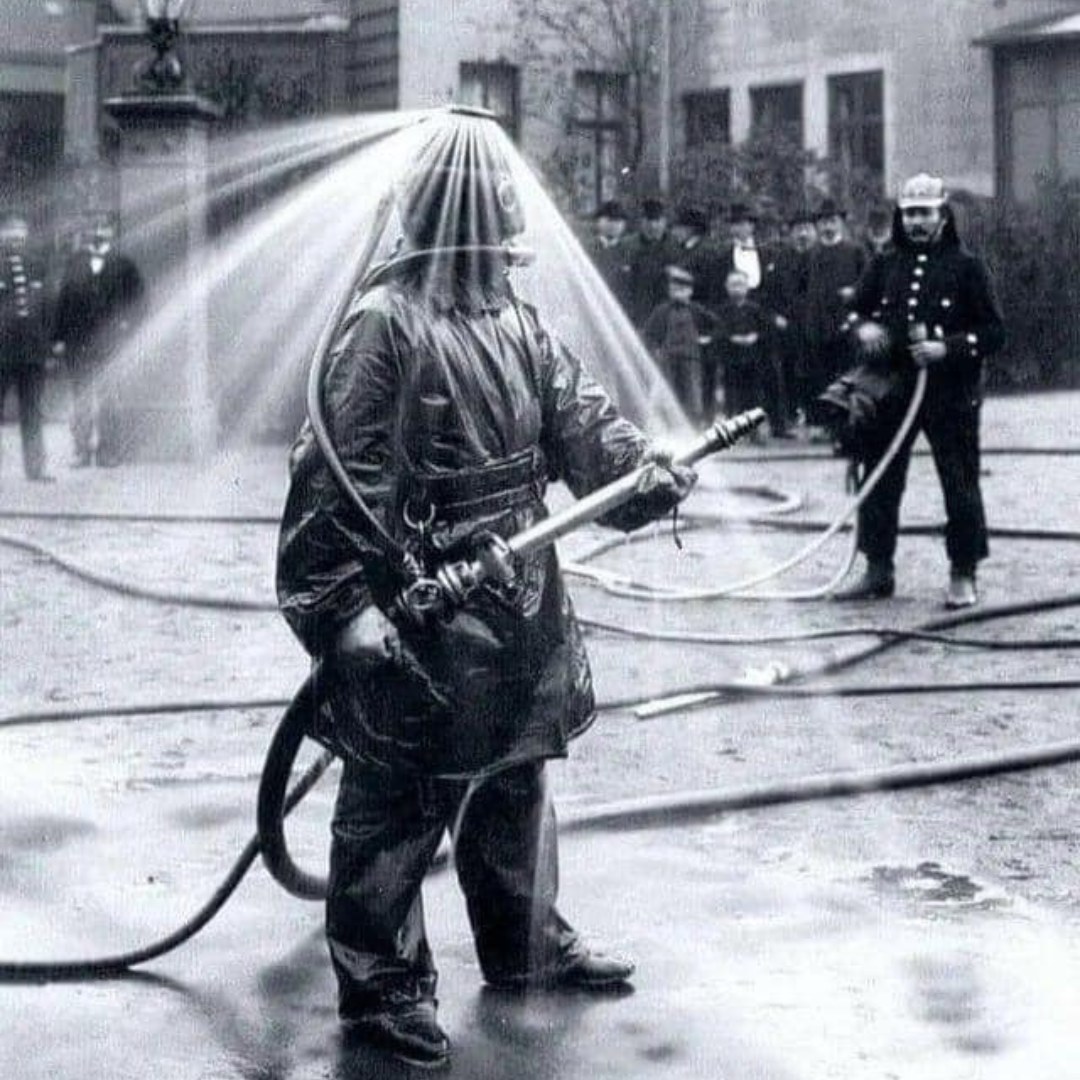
x=275, y=803
x=275, y=800
x=626, y=587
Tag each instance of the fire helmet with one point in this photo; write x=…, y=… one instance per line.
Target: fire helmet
x=460, y=192
x=922, y=190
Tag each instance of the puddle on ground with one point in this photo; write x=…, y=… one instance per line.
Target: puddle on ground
x=929, y=884
x=42, y=832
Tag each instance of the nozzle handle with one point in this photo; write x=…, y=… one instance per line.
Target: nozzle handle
x=720, y=435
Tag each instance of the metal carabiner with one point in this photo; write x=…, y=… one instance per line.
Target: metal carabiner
x=418, y=525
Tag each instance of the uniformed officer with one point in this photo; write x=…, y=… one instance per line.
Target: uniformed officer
x=22, y=338
x=928, y=302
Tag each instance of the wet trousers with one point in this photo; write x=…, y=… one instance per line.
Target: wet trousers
x=28, y=381
x=386, y=831
x=952, y=429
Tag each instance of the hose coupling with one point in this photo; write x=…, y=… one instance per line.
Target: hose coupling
x=452, y=583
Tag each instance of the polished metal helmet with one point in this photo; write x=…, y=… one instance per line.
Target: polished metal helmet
x=460, y=192
x=922, y=190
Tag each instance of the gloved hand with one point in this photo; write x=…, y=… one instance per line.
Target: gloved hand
x=872, y=337
x=677, y=481
x=925, y=353
x=385, y=705
x=663, y=487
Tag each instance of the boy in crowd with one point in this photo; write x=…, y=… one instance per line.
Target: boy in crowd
x=745, y=347
x=678, y=331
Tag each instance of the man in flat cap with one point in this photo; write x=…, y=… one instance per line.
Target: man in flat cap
x=927, y=303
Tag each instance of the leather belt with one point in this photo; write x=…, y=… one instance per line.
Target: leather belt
x=486, y=489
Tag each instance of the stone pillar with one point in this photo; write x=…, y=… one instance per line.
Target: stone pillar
x=166, y=410
x=81, y=136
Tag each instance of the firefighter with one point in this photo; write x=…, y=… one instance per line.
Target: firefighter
x=451, y=409
x=927, y=302
x=23, y=338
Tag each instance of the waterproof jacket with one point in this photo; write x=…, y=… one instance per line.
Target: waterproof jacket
x=944, y=291
x=450, y=413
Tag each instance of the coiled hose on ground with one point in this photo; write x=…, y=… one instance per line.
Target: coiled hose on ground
x=276, y=799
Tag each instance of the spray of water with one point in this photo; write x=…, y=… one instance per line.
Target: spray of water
x=381, y=189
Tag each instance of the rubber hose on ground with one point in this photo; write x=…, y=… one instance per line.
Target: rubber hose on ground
x=740, y=590
x=118, y=964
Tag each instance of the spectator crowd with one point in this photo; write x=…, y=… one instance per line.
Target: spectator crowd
x=76, y=323
x=738, y=312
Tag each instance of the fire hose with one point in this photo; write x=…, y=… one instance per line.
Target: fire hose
x=618, y=585
x=450, y=585
x=642, y=813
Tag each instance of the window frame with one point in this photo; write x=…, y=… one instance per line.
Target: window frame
x=792, y=129
x=485, y=74
x=700, y=107
x=604, y=130
x=853, y=133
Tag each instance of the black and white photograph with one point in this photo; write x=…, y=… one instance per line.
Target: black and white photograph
x=539, y=539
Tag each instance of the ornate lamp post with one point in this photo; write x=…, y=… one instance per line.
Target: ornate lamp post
x=164, y=74
x=167, y=409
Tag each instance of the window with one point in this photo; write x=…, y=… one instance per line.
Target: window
x=708, y=117
x=1039, y=136
x=495, y=87
x=857, y=125
x=600, y=123
x=777, y=111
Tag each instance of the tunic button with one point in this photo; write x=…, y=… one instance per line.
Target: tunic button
x=915, y=286
x=921, y=258
x=912, y=301
x=919, y=271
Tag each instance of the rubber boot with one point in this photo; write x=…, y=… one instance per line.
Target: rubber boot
x=403, y=1023
x=876, y=583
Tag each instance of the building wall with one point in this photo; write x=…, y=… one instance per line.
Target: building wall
x=372, y=66
x=938, y=87
x=437, y=36
x=32, y=39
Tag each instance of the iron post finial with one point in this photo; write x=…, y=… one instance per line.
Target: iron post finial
x=164, y=72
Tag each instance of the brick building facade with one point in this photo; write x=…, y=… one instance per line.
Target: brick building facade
x=981, y=91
